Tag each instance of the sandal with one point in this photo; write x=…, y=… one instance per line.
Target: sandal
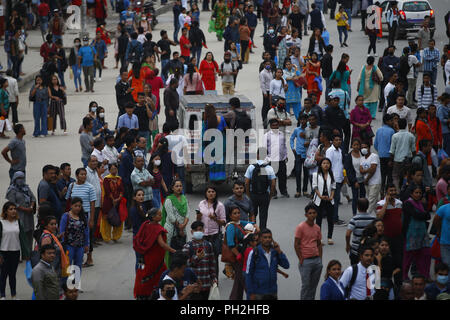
x=297, y=195
x=87, y=265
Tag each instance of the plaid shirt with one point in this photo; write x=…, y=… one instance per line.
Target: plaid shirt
x=205, y=268
x=430, y=59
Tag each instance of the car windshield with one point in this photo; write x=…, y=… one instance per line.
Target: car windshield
x=416, y=6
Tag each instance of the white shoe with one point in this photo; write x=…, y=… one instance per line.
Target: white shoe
x=99, y=79
x=14, y=298
x=3, y=298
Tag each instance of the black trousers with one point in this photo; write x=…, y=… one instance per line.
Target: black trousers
x=261, y=206
x=299, y=167
x=9, y=270
x=244, y=47
x=281, y=175
x=326, y=209
x=13, y=106
x=363, y=19
x=386, y=173
x=396, y=247
x=373, y=43
x=347, y=136
x=392, y=32
x=265, y=109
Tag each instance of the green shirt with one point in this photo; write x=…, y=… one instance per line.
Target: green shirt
x=4, y=100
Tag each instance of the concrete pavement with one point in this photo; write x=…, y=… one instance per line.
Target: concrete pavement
x=112, y=277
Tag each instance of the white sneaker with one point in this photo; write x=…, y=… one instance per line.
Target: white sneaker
x=3, y=298
x=99, y=79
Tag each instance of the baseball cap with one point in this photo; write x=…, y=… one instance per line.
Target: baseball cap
x=333, y=96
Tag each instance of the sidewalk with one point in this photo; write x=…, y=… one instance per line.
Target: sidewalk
x=33, y=61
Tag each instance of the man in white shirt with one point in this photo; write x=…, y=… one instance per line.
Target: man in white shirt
x=362, y=287
x=178, y=144
x=182, y=17
x=13, y=91
x=370, y=168
x=403, y=111
x=334, y=153
x=413, y=63
x=389, y=87
x=110, y=152
x=93, y=178
x=265, y=76
x=99, y=144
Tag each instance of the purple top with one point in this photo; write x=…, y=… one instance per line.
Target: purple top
x=360, y=116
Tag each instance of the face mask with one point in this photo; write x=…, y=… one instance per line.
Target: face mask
x=442, y=279
x=157, y=163
x=77, y=44
x=101, y=115
x=364, y=151
x=197, y=235
x=267, y=67
x=270, y=31
x=227, y=60
x=170, y=293
x=20, y=182
x=85, y=43
x=93, y=109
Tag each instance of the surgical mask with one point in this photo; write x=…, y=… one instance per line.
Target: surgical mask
x=271, y=31
x=170, y=293
x=267, y=67
x=157, y=163
x=364, y=151
x=197, y=235
x=101, y=115
x=20, y=182
x=85, y=43
x=442, y=279
x=77, y=44
x=93, y=109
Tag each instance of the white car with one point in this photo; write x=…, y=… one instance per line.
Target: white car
x=412, y=14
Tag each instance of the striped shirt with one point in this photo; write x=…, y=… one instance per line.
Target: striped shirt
x=357, y=225
x=426, y=99
x=431, y=59
x=84, y=191
x=204, y=268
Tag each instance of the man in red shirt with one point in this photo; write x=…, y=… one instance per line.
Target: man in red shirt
x=43, y=11
x=185, y=44
x=47, y=47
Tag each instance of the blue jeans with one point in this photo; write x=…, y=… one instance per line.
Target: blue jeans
x=44, y=24
x=55, y=37
x=163, y=64
x=85, y=162
x=433, y=76
x=342, y=30
x=349, y=15
x=319, y=4
x=61, y=75
x=112, y=4
x=76, y=255
x=337, y=199
x=76, y=76
x=357, y=193
x=328, y=86
x=40, y=109
x=176, y=26
x=156, y=198
x=197, y=52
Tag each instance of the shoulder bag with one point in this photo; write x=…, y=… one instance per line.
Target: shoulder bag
x=69, y=199
x=227, y=254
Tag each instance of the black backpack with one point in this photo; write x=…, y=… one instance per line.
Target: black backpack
x=348, y=289
x=404, y=67
x=243, y=120
x=260, y=182
x=133, y=56
x=232, y=67
x=422, y=89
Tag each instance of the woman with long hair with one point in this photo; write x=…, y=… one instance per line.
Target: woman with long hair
x=369, y=81
x=209, y=70
x=293, y=94
x=214, y=121
x=219, y=16
x=352, y=161
x=342, y=74
x=244, y=35
x=58, y=99
x=151, y=244
x=212, y=213
x=422, y=128
x=415, y=234
x=324, y=186
x=100, y=125
x=73, y=63
x=158, y=184
x=74, y=229
x=12, y=240
x=316, y=43
x=313, y=78
x=192, y=81
x=39, y=96
x=332, y=289
x=175, y=214
x=113, y=193
x=361, y=119
x=278, y=86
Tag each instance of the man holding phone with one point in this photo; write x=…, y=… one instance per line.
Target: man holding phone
x=201, y=260
x=123, y=92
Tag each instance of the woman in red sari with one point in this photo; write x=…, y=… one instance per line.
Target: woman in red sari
x=150, y=242
x=312, y=72
x=208, y=69
x=113, y=193
x=100, y=11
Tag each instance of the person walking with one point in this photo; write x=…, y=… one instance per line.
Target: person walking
x=382, y=145
x=13, y=94
x=58, y=100
x=342, y=25
x=209, y=70
x=431, y=58
x=369, y=81
x=219, y=16
x=293, y=93
x=313, y=78
x=102, y=52
x=261, y=274
x=335, y=156
x=73, y=63
x=352, y=162
x=370, y=168
x=86, y=59
x=392, y=19
x=308, y=247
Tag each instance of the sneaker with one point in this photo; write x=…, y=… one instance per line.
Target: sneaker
x=99, y=79
x=340, y=223
x=3, y=298
x=285, y=195
x=297, y=195
x=330, y=242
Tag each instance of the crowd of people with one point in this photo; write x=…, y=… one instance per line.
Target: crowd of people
x=133, y=177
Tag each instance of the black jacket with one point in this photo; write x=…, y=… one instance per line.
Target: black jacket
x=334, y=118
x=349, y=169
x=327, y=65
x=196, y=37
x=123, y=44
x=268, y=42
x=122, y=97
x=72, y=57
x=312, y=42
x=172, y=65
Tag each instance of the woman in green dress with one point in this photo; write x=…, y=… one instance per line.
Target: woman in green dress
x=220, y=14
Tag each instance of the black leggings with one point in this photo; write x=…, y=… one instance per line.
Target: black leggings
x=244, y=46
x=373, y=43
x=9, y=270
x=326, y=210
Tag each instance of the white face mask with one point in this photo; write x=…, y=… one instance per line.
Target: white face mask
x=157, y=163
x=197, y=235
x=101, y=115
x=93, y=109
x=364, y=151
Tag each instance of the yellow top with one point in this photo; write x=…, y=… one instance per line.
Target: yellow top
x=341, y=19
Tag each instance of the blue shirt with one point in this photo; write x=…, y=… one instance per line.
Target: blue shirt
x=87, y=54
x=130, y=122
x=444, y=213
x=84, y=191
x=442, y=114
x=252, y=20
x=300, y=148
x=100, y=48
x=344, y=100
x=126, y=167
x=383, y=139
x=430, y=59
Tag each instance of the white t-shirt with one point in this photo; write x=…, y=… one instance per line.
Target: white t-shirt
x=447, y=71
x=366, y=163
x=177, y=142
x=412, y=60
x=141, y=38
x=404, y=112
x=10, y=236
x=276, y=88
x=389, y=87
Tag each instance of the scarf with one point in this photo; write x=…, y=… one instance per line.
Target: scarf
x=181, y=207
x=64, y=256
x=23, y=189
x=363, y=80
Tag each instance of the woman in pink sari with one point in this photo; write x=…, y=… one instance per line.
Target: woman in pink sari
x=361, y=118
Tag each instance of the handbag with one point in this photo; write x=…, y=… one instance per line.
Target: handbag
x=375, y=77
x=199, y=86
x=69, y=199
x=227, y=255
x=113, y=217
x=214, y=293
x=50, y=123
x=178, y=241
x=300, y=82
